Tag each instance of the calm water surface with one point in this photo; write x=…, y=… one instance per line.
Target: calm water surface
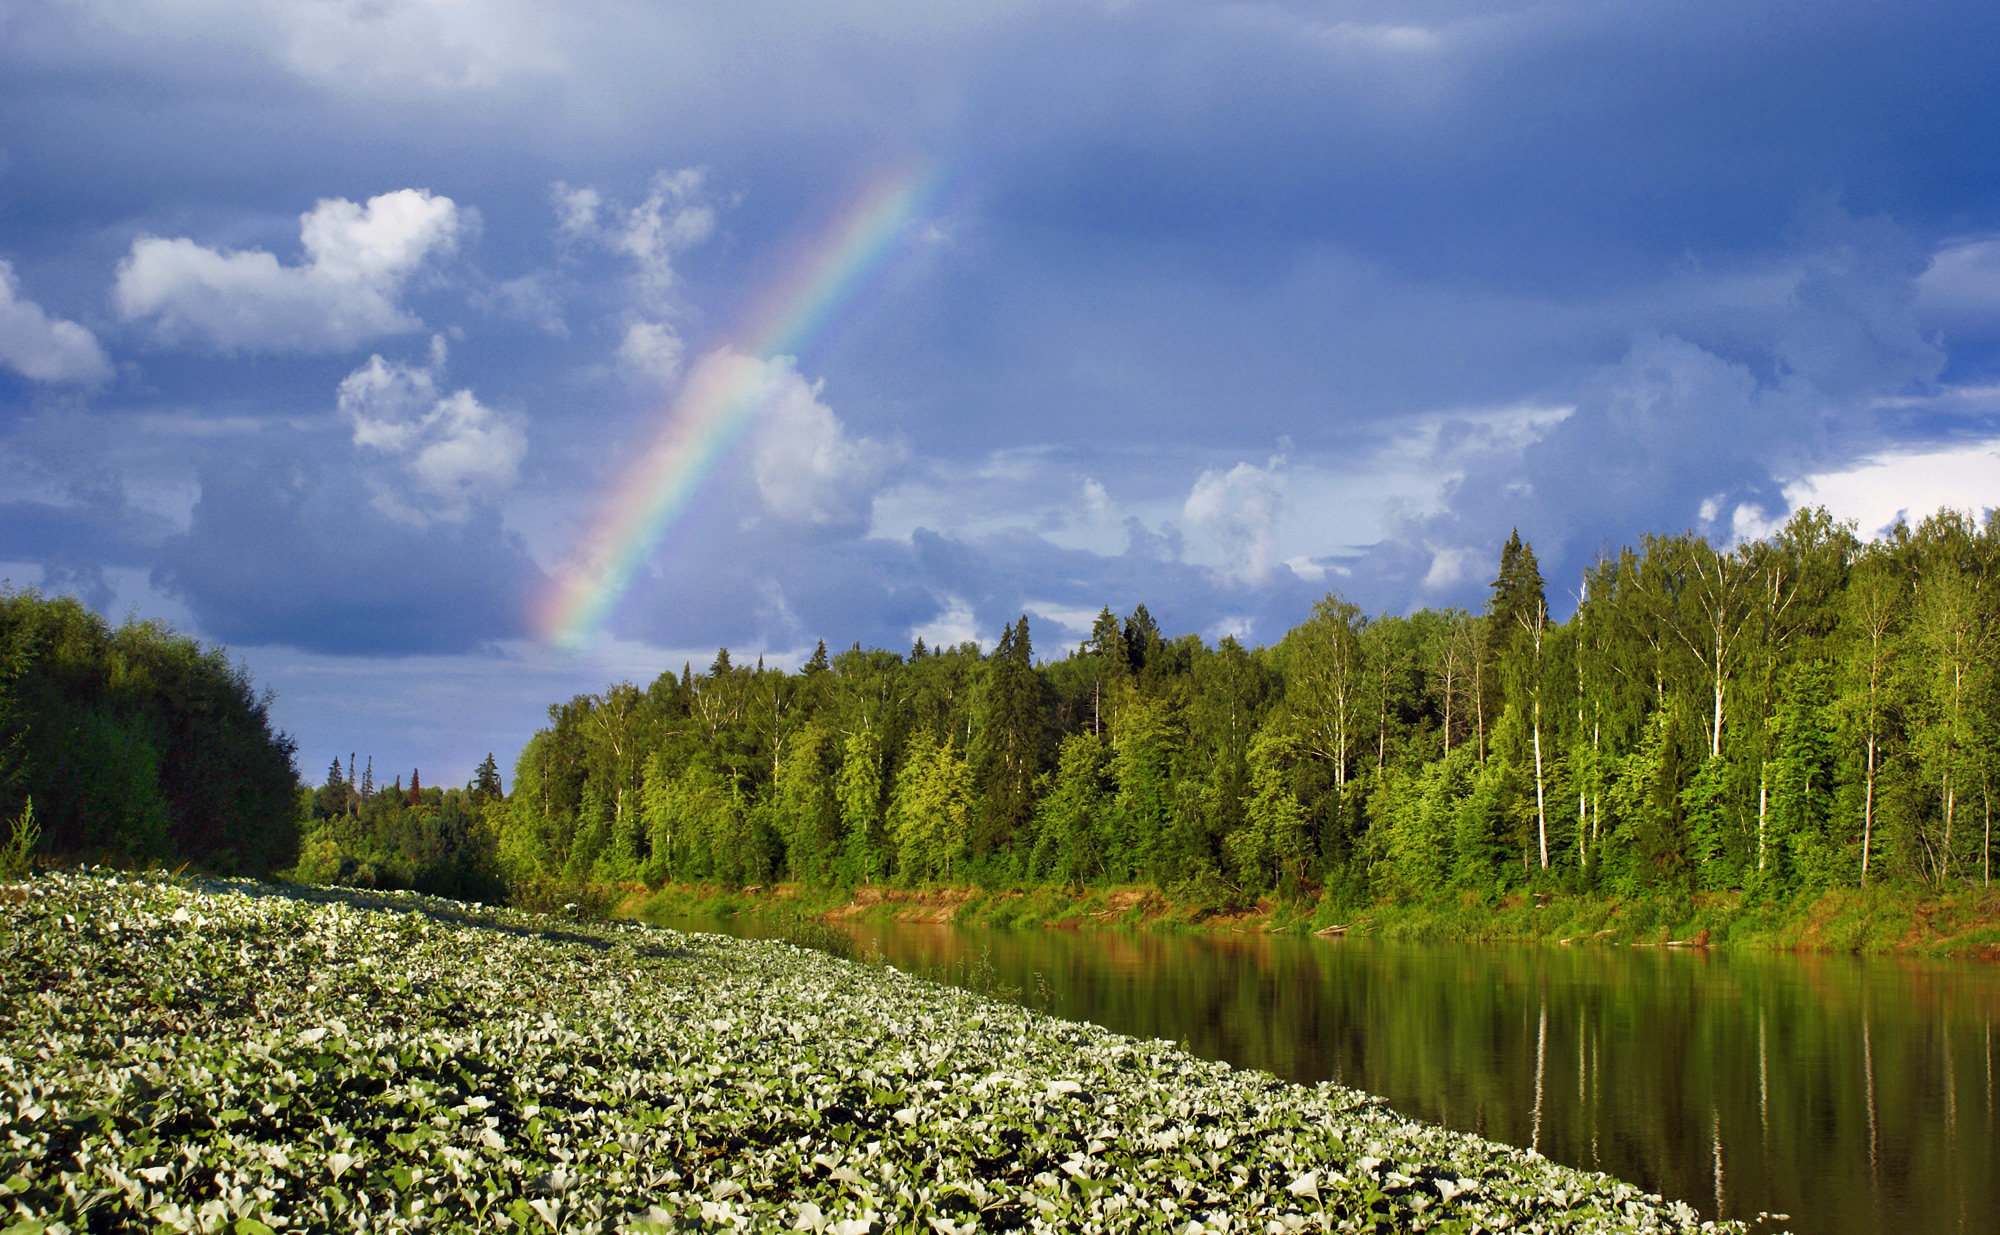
x=1854, y=1094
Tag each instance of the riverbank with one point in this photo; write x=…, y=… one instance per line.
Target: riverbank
x=230, y=1056
x=1876, y=920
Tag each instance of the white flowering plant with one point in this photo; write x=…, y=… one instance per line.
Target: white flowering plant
x=234, y=1057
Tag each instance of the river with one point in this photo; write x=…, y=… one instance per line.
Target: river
x=1854, y=1094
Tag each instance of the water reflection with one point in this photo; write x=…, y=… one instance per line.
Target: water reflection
x=1839, y=1090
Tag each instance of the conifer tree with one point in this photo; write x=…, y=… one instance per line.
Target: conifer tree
x=1520, y=607
x=415, y=788
x=486, y=780
x=1010, y=748
x=1517, y=591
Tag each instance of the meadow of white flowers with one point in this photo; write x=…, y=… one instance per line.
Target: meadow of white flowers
x=233, y=1057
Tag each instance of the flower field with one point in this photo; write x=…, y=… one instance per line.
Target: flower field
x=231, y=1057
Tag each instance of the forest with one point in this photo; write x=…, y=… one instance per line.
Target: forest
x=1796, y=713
x=136, y=745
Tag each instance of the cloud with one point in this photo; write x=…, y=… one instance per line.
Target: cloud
x=672, y=219
x=440, y=45
x=1852, y=327
x=42, y=348
x=450, y=449
x=529, y=298
x=651, y=350
x=357, y=260
x=953, y=624
x=1911, y=484
x=1238, y=511
x=809, y=469
x=285, y=547
x=1680, y=435
x=1961, y=287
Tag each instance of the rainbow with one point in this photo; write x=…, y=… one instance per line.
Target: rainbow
x=721, y=398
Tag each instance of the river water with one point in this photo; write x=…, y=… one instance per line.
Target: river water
x=1854, y=1094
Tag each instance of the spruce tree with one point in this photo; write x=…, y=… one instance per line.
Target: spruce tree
x=1518, y=592
x=486, y=780
x=416, y=787
x=1142, y=639
x=1011, y=740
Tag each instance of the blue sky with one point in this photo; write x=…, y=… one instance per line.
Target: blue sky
x=325, y=328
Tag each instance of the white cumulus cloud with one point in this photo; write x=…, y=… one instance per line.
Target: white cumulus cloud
x=810, y=470
x=1877, y=491
x=1238, y=511
x=347, y=290
x=671, y=220
x=42, y=348
x=450, y=449
x=651, y=350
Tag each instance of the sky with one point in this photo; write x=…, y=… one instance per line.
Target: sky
x=448, y=358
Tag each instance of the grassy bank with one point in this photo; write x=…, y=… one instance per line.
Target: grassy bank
x=1965, y=923
x=224, y=1058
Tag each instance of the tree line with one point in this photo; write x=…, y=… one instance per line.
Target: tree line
x=432, y=839
x=136, y=745
x=1794, y=713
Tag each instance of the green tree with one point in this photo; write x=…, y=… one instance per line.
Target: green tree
x=1803, y=785
x=485, y=780
x=808, y=805
x=930, y=814
x=1011, y=738
x=1073, y=820
x=866, y=854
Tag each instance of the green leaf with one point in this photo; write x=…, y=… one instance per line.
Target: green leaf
x=250, y=1226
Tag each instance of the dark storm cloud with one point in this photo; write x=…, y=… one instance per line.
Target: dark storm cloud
x=1674, y=436
x=283, y=549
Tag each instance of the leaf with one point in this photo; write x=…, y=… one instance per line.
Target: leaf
x=250, y=1226
x=549, y=1211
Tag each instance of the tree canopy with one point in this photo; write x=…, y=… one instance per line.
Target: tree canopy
x=137, y=744
x=1785, y=714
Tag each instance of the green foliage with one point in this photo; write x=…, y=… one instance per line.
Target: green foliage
x=1073, y=822
x=137, y=744
x=445, y=843
x=1272, y=847
x=349, y=1060
x=23, y=834
x=931, y=811
x=1708, y=719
